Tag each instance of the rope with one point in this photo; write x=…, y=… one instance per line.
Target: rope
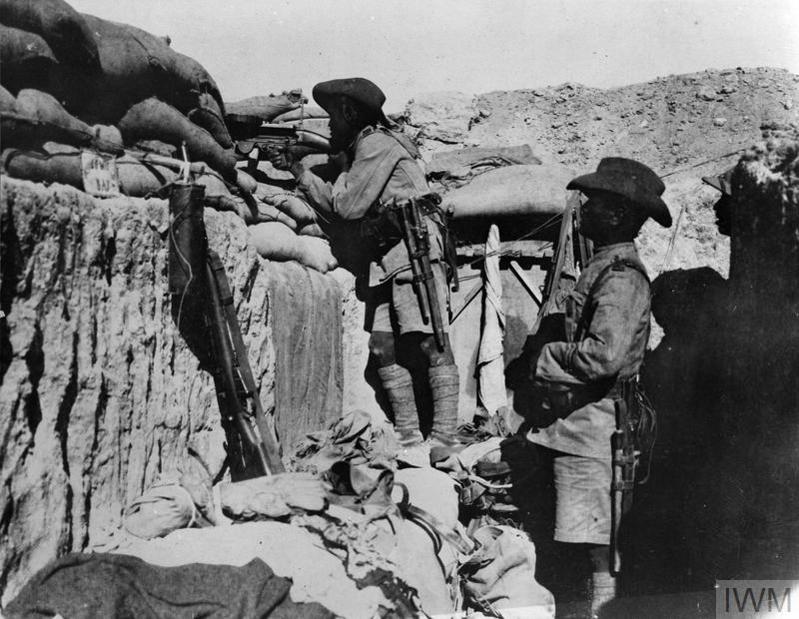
x=702, y=163
x=510, y=252
x=183, y=259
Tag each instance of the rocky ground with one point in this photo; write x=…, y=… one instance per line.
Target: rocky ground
x=683, y=126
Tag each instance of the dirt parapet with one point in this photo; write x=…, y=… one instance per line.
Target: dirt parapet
x=100, y=393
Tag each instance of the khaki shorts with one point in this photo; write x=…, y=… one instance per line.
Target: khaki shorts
x=393, y=306
x=582, y=506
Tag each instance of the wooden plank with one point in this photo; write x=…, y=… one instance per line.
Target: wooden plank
x=521, y=249
x=469, y=298
x=518, y=271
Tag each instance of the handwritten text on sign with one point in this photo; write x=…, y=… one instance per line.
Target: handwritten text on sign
x=100, y=176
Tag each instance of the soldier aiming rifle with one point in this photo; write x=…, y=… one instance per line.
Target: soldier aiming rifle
x=379, y=168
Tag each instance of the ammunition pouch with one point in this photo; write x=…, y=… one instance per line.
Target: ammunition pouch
x=380, y=229
x=553, y=401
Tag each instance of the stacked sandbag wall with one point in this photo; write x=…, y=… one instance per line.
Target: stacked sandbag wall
x=86, y=82
x=98, y=390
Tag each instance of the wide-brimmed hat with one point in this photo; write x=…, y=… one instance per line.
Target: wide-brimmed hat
x=722, y=182
x=631, y=179
x=359, y=89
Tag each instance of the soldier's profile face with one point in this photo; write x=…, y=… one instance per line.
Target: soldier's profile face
x=723, y=210
x=340, y=128
x=597, y=214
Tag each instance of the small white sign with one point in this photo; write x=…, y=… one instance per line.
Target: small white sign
x=100, y=176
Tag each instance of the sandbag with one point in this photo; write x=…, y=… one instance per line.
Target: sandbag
x=227, y=203
x=245, y=182
x=213, y=183
x=156, y=146
x=306, y=111
x=61, y=163
x=450, y=160
x=188, y=80
x=266, y=107
x=140, y=179
x=275, y=241
x=502, y=573
x=154, y=119
x=108, y=138
x=65, y=31
x=267, y=212
x=272, y=496
x=316, y=254
x=208, y=115
x=137, y=65
x=312, y=230
x=293, y=206
x=26, y=59
x=511, y=191
x=8, y=112
x=52, y=163
x=48, y=120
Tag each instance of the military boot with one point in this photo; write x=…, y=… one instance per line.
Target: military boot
x=444, y=386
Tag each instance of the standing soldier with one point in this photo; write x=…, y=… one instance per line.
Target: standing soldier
x=607, y=328
x=723, y=206
x=378, y=167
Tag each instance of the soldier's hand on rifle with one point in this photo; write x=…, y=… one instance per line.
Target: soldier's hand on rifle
x=284, y=159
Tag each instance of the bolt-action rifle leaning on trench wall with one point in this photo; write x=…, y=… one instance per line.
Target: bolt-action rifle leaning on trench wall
x=197, y=281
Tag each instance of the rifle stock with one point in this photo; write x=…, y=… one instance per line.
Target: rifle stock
x=417, y=241
x=625, y=461
x=423, y=243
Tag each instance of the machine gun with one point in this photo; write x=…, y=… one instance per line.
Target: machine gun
x=411, y=215
x=250, y=133
x=197, y=274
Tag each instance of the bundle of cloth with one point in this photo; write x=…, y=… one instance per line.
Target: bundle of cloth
x=358, y=530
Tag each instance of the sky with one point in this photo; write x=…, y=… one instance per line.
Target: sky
x=409, y=47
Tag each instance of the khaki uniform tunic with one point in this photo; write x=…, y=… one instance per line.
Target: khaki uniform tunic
x=384, y=166
x=610, y=343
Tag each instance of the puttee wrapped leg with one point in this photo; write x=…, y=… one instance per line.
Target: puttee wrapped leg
x=398, y=385
x=444, y=386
